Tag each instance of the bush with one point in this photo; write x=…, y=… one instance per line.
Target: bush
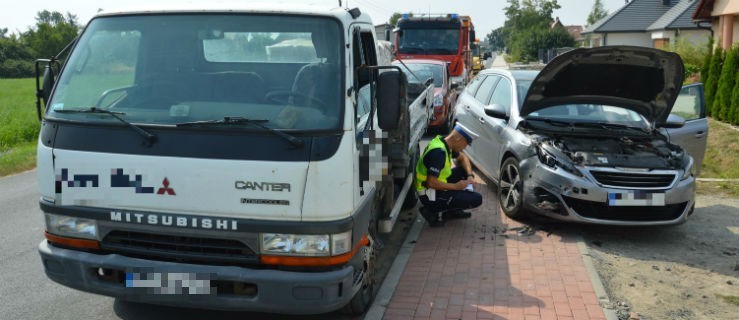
x=734, y=114
x=713, y=74
x=17, y=69
x=722, y=100
x=706, y=64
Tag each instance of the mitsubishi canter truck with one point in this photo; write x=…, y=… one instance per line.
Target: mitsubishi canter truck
x=224, y=156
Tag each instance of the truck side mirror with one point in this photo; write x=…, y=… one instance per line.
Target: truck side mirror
x=43, y=87
x=391, y=90
x=387, y=34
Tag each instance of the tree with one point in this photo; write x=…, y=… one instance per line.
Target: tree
x=713, y=74
x=394, y=19
x=597, y=13
x=527, y=29
x=734, y=114
x=722, y=99
x=496, y=39
x=53, y=31
x=706, y=65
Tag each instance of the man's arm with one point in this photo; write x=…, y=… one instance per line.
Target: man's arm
x=463, y=161
x=434, y=183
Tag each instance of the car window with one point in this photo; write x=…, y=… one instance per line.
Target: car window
x=483, y=93
x=591, y=113
x=522, y=86
x=472, y=87
x=502, y=94
x=363, y=105
x=423, y=71
x=688, y=103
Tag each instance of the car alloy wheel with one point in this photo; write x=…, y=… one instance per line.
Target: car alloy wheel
x=510, y=191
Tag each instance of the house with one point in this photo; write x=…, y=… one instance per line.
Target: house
x=381, y=31
x=648, y=23
x=723, y=17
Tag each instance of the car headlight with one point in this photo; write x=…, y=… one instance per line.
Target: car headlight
x=438, y=100
x=551, y=161
x=306, y=244
x=689, y=170
x=71, y=226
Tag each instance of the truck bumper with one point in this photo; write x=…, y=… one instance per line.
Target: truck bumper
x=272, y=291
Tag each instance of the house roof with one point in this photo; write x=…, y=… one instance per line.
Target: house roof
x=642, y=15
x=679, y=17
x=575, y=31
x=703, y=11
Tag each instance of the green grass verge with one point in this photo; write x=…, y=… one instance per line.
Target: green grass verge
x=21, y=158
x=729, y=299
x=18, y=119
x=722, y=152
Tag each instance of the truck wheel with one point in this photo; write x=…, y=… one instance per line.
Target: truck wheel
x=363, y=298
x=510, y=188
x=411, y=198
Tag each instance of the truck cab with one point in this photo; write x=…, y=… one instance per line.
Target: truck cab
x=217, y=155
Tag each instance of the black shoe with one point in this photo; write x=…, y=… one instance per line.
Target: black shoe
x=456, y=214
x=431, y=217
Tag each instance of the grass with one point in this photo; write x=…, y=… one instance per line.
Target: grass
x=18, y=120
x=21, y=158
x=729, y=299
x=722, y=152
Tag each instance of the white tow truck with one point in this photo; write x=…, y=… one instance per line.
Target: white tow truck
x=225, y=156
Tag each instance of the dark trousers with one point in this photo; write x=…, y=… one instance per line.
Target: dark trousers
x=453, y=199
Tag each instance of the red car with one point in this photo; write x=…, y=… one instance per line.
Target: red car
x=445, y=93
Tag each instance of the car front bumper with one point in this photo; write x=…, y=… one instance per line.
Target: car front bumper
x=274, y=291
x=558, y=194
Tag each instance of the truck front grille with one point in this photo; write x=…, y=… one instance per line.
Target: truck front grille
x=178, y=248
x=633, y=180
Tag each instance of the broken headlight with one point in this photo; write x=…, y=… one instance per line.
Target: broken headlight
x=689, y=170
x=550, y=160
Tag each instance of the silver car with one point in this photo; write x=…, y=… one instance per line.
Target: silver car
x=591, y=137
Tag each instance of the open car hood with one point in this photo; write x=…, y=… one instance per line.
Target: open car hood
x=642, y=79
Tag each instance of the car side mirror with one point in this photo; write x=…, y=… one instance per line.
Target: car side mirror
x=391, y=90
x=673, y=122
x=429, y=82
x=454, y=86
x=497, y=111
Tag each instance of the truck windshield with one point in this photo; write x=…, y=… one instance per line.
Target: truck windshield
x=429, y=41
x=169, y=69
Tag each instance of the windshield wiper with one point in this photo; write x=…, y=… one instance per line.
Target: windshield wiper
x=610, y=126
x=558, y=123
x=150, y=138
x=240, y=120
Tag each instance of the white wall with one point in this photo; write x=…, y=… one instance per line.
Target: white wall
x=696, y=37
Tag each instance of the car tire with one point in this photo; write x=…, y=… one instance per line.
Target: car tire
x=362, y=300
x=510, y=189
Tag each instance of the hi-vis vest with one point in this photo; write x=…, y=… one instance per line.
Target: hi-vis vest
x=422, y=171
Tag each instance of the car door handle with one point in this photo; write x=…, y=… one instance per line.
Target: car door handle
x=482, y=120
x=700, y=134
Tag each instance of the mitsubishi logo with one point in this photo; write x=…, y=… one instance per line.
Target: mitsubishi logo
x=166, y=188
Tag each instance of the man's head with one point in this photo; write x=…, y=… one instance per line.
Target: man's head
x=460, y=137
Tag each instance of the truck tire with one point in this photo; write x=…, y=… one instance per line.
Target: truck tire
x=362, y=300
x=411, y=198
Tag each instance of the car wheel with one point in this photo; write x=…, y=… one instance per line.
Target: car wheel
x=510, y=188
x=362, y=300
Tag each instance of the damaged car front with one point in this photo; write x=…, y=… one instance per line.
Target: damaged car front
x=589, y=147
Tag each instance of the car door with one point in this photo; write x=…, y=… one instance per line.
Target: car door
x=691, y=106
x=490, y=145
x=476, y=110
x=462, y=111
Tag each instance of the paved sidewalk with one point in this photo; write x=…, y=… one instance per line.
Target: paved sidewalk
x=480, y=268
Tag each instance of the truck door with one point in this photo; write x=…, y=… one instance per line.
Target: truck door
x=691, y=105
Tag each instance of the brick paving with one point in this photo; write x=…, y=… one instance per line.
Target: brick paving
x=480, y=269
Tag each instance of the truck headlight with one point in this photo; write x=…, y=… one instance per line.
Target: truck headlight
x=71, y=226
x=305, y=244
x=438, y=100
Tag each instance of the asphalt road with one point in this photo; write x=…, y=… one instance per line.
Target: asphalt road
x=28, y=294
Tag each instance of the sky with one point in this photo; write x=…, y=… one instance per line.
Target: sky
x=486, y=15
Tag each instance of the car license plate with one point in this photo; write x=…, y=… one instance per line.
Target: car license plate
x=170, y=282
x=636, y=198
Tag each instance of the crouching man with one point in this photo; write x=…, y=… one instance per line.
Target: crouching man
x=446, y=191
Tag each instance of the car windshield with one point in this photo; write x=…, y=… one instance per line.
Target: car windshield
x=422, y=72
x=169, y=69
x=429, y=41
x=590, y=113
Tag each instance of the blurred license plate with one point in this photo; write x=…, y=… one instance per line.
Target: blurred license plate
x=636, y=198
x=170, y=282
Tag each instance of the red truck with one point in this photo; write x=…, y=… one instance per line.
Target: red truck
x=445, y=37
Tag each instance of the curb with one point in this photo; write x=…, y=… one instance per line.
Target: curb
x=382, y=299
x=598, y=287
